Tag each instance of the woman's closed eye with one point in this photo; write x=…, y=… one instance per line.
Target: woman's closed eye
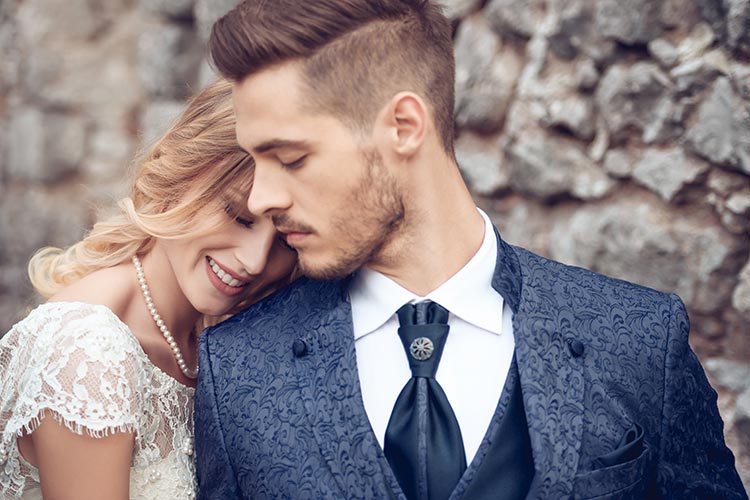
x=232, y=212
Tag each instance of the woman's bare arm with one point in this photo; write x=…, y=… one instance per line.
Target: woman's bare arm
x=81, y=467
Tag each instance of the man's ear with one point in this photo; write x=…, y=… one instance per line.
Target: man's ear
x=404, y=120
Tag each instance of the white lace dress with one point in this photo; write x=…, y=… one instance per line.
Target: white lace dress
x=79, y=364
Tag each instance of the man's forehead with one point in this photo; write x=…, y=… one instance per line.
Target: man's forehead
x=279, y=79
x=266, y=102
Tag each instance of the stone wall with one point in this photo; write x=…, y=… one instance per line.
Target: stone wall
x=610, y=134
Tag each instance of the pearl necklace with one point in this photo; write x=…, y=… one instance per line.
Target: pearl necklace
x=160, y=322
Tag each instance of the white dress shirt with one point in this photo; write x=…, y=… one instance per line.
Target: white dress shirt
x=477, y=353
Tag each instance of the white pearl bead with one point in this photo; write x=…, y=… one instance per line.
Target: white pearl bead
x=162, y=327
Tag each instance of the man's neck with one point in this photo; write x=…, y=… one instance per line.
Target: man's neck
x=442, y=232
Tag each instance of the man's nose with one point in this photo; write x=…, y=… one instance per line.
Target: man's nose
x=269, y=194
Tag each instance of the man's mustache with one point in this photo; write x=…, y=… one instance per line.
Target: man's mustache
x=285, y=224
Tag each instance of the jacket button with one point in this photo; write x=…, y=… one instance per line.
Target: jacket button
x=576, y=347
x=300, y=348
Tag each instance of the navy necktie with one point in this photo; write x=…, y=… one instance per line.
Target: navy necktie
x=423, y=441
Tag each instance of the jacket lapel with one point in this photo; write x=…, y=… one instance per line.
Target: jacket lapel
x=550, y=370
x=329, y=384
x=551, y=376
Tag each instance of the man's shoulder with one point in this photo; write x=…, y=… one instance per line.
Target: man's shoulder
x=282, y=313
x=565, y=280
x=619, y=321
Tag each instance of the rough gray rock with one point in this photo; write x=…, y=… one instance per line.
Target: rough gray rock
x=733, y=375
x=724, y=183
x=44, y=147
x=485, y=76
x=619, y=163
x=667, y=123
x=518, y=17
x=697, y=74
x=733, y=206
x=207, y=12
x=741, y=295
x=713, y=12
x=110, y=156
x=587, y=76
x=739, y=74
x=573, y=31
x=43, y=22
x=548, y=166
x=156, y=119
x=482, y=164
x=739, y=203
x=664, y=52
x=9, y=63
x=523, y=222
x=35, y=208
x=644, y=242
x=680, y=14
x=629, y=21
x=667, y=171
x=721, y=134
x=483, y=107
x=738, y=24
x=97, y=77
x=697, y=42
x=169, y=57
x=173, y=9
x=42, y=73
x=574, y=114
x=633, y=96
x=458, y=9
x=475, y=48
x=741, y=419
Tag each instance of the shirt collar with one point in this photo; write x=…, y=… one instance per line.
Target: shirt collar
x=468, y=294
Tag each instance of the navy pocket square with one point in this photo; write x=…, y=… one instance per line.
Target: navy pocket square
x=629, y=448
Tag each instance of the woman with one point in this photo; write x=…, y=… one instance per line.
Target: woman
x=96, y=385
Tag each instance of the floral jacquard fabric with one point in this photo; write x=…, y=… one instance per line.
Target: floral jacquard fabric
x=617, y=405
x=79, y=364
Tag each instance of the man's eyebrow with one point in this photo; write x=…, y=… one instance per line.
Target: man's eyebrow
x=279, y=144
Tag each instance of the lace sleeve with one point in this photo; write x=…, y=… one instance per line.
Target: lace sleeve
x=75, y=362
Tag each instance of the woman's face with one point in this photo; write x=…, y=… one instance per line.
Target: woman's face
x=237, y=258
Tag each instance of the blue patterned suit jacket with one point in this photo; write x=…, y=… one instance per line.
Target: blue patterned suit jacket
x=279, y=413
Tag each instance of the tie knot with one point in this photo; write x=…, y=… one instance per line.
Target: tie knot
x=423, y=333
x=422, y=313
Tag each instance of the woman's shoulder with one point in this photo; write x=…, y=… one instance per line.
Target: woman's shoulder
x=77, y=361
x=92, y=330
x=112, y=287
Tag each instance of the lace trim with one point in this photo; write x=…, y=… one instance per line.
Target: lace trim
x=72, y=425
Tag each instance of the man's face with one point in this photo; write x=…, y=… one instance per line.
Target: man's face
x=326, y=187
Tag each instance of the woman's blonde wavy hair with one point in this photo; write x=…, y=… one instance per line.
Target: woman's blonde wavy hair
x=195, y=164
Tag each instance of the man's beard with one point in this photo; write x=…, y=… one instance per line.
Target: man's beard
x=369, y=218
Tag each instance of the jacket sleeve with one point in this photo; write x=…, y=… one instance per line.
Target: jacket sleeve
x=694, y=461
x=216, y=477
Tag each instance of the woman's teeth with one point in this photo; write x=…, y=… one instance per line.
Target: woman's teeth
x=226, y=278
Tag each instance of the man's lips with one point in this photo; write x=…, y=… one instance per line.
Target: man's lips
x=294, y=237
x=293, y=234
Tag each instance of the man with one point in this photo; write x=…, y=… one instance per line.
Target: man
x=422, y=357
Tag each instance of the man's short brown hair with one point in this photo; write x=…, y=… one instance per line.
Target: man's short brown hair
x=356, y=54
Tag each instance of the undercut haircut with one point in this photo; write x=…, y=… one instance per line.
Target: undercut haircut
x=355, y=55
